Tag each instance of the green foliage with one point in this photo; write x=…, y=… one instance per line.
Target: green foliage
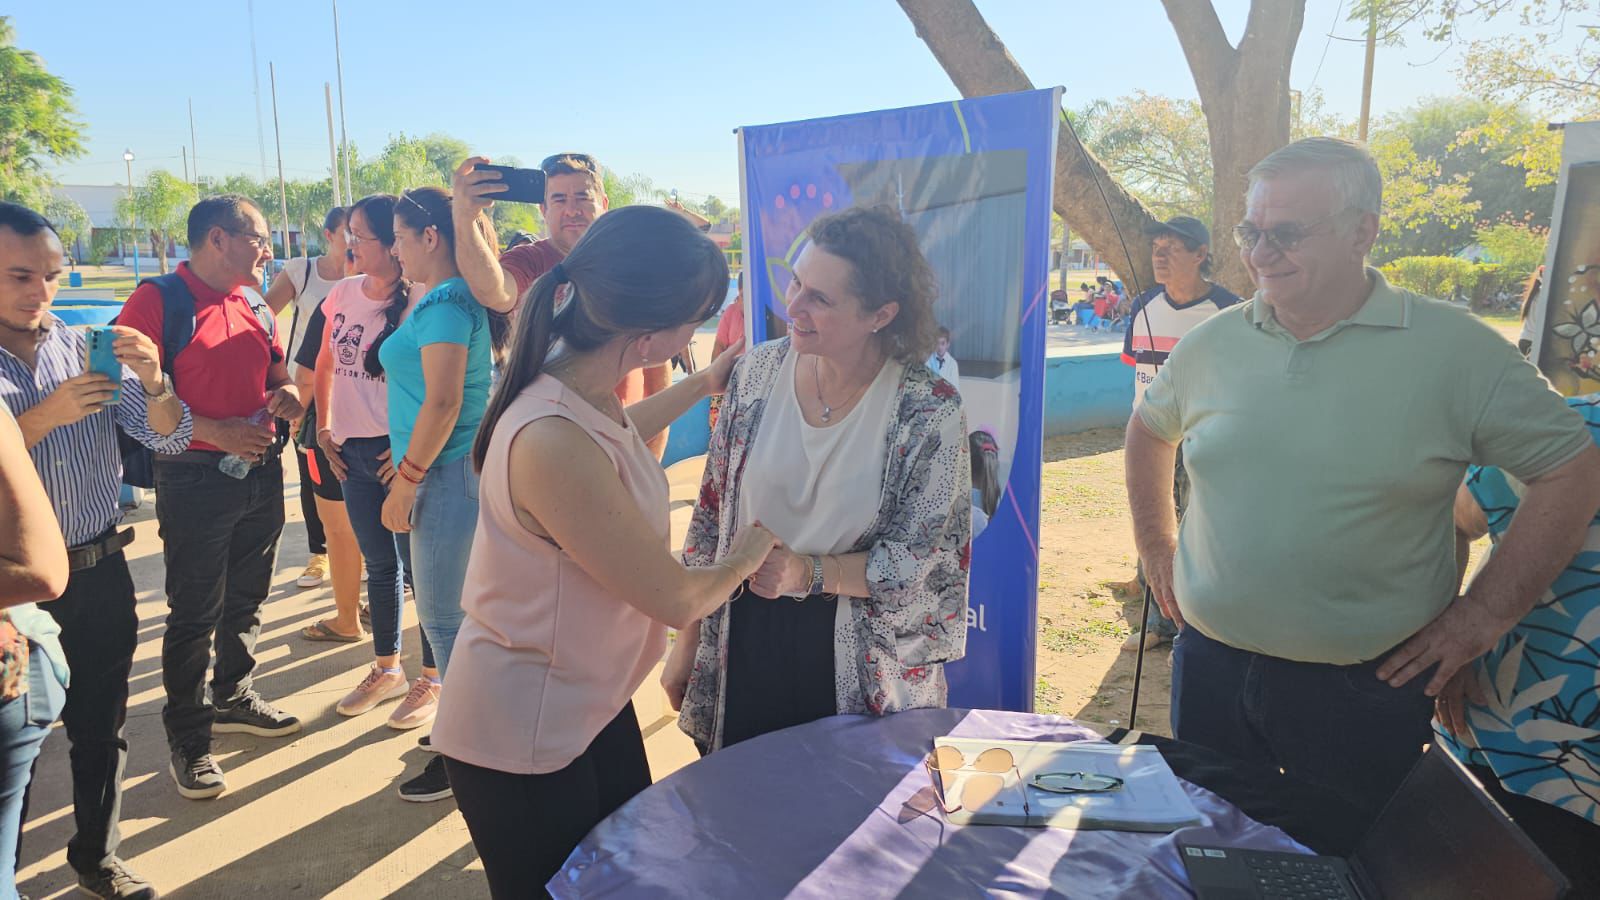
x=1516, y=246
x=1454, y=278
x=1157, y=147
x=1445, y=277
x=101, y=245
x=510, y=218
x=160, y=206
x=69, y=218
x=1419, y=200
x=37, y=122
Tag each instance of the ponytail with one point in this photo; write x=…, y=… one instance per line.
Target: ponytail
x=378, y=212
x=392, y=311
x=535, y=335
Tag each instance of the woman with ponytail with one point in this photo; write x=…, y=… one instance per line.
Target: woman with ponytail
x=438, y=368
x=571, y=584
x=362, y=313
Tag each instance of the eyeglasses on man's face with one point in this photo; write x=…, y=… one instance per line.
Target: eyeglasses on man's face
x=255, y=239
x=1284, y=238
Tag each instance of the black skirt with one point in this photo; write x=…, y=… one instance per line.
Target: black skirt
x=780, y=664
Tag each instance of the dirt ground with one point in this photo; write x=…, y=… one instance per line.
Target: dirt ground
x=1087, y=548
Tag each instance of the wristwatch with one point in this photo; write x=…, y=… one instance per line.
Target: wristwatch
x=165, y=393
x=816, y=575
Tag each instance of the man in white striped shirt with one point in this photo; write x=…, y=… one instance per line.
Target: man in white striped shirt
x=71, y=433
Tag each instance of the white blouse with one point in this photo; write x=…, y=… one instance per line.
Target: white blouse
x=819, y=489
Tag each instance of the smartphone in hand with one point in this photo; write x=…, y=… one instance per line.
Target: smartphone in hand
x=522, y=185
x=100, y=356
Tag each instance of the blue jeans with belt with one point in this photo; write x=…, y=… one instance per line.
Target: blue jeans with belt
x=24, y=723
x=364, y=493
x=442, y=524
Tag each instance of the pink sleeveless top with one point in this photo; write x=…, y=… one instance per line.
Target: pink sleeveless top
x=545, y=657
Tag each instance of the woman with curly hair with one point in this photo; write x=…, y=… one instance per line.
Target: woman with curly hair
x=841, y=442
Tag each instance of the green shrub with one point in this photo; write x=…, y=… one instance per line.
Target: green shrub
x=1445, y=277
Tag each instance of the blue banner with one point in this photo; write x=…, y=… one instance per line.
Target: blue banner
x=975, y=179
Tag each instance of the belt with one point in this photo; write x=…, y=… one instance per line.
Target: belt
x=204, y=457
x=87, y=556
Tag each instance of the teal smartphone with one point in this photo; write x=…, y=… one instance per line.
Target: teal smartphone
x=100, y=356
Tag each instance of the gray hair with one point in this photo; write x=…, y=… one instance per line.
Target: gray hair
x=1349, y=166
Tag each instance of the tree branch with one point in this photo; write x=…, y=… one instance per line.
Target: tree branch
x=1205, y=45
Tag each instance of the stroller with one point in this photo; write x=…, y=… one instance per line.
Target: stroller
x=1060, y=308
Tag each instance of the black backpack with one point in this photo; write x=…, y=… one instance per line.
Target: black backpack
x=177, y=330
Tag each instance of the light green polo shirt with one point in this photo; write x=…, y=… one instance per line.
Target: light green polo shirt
x=1322, y=472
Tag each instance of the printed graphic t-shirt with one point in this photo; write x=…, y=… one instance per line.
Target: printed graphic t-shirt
x=358, y=402
x=1155, y=326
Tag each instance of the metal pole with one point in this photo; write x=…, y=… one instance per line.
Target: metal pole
x=185, y=152
x=1366, y=78
x=192, y=149
x=277, y=139
x=1138, y=665
x=333, y=154
x=133, y=215
x=344, y=134
x=255, y=77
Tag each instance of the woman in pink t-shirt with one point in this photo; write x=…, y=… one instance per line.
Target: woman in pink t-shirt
x=571, y=583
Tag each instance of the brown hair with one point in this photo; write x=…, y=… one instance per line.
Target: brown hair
x=887, y=266
x=637, y=270
x=420, y=207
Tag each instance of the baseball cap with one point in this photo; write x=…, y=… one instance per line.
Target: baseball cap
x=1187, y=227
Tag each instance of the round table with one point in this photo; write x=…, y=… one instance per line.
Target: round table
x=821, y=810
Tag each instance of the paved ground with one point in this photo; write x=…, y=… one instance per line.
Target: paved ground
x=309, y=816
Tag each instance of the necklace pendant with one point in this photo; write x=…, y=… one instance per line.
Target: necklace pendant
x=827, y=413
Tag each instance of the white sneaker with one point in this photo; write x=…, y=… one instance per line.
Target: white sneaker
x=374, y=689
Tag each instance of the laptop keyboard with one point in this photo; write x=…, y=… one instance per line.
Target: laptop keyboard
x=1292, y=879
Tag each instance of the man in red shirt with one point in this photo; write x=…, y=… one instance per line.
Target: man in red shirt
x=574, y=196
x=219, y=532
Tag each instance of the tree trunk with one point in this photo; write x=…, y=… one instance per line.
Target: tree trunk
x=158, y=248
x=1244, y=93
x=1106, y=216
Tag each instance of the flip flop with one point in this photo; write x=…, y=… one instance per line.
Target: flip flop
x=319, y=631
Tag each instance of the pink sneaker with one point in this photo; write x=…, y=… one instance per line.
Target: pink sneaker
x=377, y=687
x=418, y=707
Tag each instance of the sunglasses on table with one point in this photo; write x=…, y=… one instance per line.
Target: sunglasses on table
x=982, y=778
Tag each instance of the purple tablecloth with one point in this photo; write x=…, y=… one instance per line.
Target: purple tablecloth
x=820, y=811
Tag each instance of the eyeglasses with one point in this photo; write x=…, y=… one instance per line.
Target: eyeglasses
x=258, y=241
x=981, y=782
x=1076, y=782
x=356, y=240
x=573, y=160
x=1283, y=238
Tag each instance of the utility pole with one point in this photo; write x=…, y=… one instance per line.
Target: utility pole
x=1366, y=78
x=333, y=154
x=185, y=152
x=344, y=134
x=192, y=150
x=277, y=138
x=255, y=77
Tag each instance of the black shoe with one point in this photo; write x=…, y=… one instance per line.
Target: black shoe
x=115, y=881
x=253, y=715
x=432, y=784
x=426, y=744
x=197, y=774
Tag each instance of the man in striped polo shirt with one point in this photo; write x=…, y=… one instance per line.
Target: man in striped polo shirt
x=71, y=433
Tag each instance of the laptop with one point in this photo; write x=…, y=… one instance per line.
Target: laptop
x=1439, y=836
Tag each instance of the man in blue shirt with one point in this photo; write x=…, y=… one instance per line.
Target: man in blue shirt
x=71, y=434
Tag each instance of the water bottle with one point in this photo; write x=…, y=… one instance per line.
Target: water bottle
x=235, y=466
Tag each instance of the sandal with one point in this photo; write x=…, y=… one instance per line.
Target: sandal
x=320, y=631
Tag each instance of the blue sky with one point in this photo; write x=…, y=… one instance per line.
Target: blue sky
x=648, y=87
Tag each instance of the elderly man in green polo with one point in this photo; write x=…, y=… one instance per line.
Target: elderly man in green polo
x=1325, y=427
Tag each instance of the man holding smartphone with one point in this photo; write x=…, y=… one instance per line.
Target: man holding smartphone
x=70, y=428
x=574, y=196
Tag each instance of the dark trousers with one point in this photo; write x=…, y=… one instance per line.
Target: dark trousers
x=316, y=538
x=219, y=537
x=780, y=664
x=525, y=826
x=1338, y=726
x=99, y=631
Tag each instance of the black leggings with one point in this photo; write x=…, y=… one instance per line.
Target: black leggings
x=316, y=538
x=525, y=826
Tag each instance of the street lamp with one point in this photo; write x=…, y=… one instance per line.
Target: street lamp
x=127, y=159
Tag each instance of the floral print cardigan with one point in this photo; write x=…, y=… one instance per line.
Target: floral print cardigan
x=890, y=647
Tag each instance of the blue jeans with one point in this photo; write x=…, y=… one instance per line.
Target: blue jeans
x=442, y=523
x=382, y=549
x=24, y=723
x=1338, y=726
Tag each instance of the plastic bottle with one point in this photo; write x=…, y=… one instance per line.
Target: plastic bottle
x=235, y=466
